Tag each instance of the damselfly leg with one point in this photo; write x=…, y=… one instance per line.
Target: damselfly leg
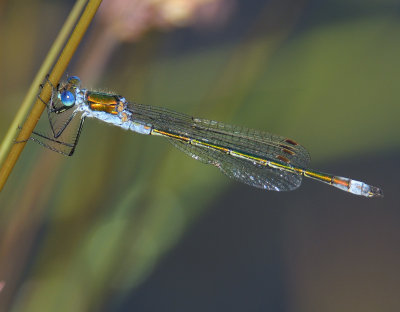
x=67, y=140
x=65, y=123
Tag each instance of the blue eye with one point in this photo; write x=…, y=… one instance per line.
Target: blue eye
x=67, y=98
x=74, y=80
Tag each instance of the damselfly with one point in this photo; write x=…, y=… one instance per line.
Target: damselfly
x=257, y=158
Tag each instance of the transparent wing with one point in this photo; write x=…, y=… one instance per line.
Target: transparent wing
x=256, y=143
x=242, y=170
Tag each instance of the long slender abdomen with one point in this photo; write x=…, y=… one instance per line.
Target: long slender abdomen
x=345, y=184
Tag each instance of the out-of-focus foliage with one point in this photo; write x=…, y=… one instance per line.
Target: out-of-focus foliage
x=77, y=233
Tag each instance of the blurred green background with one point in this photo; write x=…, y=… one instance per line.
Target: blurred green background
x=130, y=223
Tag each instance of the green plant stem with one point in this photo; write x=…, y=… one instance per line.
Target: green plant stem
x=54, y=77
x=44, y=69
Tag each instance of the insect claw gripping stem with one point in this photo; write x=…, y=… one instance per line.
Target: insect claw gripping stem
x=41, y=86
x=22, y=141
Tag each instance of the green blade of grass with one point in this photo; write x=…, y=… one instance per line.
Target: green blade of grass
x=54, y=77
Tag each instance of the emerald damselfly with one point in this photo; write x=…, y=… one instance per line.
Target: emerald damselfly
x=254, y=157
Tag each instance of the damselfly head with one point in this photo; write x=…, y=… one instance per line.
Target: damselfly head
x=66, y=94
x=64, y=97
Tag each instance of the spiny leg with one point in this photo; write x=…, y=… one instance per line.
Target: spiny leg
x=53, y=88
x=57, y=145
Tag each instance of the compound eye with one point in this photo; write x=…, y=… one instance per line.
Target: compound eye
x=74, y=80
x=67, y=98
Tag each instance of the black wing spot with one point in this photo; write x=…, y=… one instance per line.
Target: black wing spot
x=291, y=142
x=283, y=158
x=288, y=151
